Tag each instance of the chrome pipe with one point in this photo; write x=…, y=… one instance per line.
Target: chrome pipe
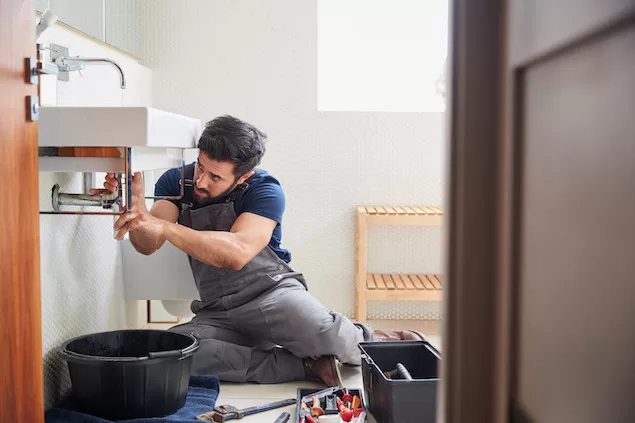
x=89, y=181
x=105, y=200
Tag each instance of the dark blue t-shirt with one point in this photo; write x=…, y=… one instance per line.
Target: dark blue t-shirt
x=264, y=196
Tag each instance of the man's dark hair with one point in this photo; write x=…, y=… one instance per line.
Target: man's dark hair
x=229, y=139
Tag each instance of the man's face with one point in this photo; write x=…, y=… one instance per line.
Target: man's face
x=214, y=179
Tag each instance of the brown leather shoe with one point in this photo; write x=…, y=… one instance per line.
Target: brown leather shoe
x=399, y=335
x=323, y=370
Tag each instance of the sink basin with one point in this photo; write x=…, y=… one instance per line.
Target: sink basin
x=72, y=126
x=157, y=138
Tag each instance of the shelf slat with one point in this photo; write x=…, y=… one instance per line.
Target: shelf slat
x=417, y=282
x=426, y=282
x=402, y=215
x=379, y=281
x=403, y=287
x=402, y=210
x=398, y=282
x=434, y=281
x=403, y=282
x=388, y=281
x=370, y=282
x=407, y=282
x=438, y=278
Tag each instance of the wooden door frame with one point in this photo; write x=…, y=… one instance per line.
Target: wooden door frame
x=476, y=324
x=21, y=372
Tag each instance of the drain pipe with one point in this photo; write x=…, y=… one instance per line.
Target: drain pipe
x=106, y=200
x=88, y=179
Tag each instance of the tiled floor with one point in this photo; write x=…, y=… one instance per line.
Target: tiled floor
x=246, y=395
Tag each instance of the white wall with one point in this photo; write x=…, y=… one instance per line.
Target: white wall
x=257, y=60
x=82, y=286
x=85, y=15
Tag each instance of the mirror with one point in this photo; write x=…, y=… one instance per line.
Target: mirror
x=114, y=22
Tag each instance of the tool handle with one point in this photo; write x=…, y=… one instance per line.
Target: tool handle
x=266, y=407
x=403, y=372
x=283, y=418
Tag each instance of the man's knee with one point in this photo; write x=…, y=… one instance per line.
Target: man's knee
x=184, y=328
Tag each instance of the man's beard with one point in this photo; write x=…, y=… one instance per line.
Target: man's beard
x=208, y=199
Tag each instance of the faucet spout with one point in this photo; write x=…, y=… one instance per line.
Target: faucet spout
x=69, y=64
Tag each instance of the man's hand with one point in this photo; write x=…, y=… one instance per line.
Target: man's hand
x=146, y=228
x=111, y=184
x=141, y=221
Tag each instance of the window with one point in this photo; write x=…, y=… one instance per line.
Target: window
x=381, y=55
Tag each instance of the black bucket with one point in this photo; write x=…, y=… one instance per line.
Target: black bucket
x=130, y=374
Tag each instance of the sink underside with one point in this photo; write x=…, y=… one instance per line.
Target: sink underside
x=157, y=138
x=72, y=126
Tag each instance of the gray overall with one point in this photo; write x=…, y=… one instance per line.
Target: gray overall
x=258, y=323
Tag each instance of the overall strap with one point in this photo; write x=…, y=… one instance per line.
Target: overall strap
x=240, y=188
x=187, y=201
x=188, y=195
x=188, y=191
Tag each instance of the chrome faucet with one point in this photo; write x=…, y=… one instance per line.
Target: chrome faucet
x=66, y=64
x=69, y=64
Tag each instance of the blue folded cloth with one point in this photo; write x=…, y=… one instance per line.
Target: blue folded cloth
x=201, y=398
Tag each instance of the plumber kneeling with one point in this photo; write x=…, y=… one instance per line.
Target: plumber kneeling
x=256, y=320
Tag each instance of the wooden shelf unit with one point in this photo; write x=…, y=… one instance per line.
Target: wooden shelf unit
x=394, y=287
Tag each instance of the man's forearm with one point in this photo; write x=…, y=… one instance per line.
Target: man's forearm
x=146, y=243
x=218, y=249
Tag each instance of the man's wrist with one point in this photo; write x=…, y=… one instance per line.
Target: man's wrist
x=140, y=205
x=166, y=229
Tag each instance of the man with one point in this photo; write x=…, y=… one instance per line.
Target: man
x=256, y=321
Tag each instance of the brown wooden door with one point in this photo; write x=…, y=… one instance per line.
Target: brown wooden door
x=540, y=296
x=21, y=390
x=573, y=77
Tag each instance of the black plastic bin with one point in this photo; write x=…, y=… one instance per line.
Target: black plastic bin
x=399, y=400
x=130, y=374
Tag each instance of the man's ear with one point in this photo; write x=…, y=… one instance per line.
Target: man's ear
x=245, y=177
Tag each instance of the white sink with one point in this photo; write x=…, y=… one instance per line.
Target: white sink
x=157, y=138
x=72, y=126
